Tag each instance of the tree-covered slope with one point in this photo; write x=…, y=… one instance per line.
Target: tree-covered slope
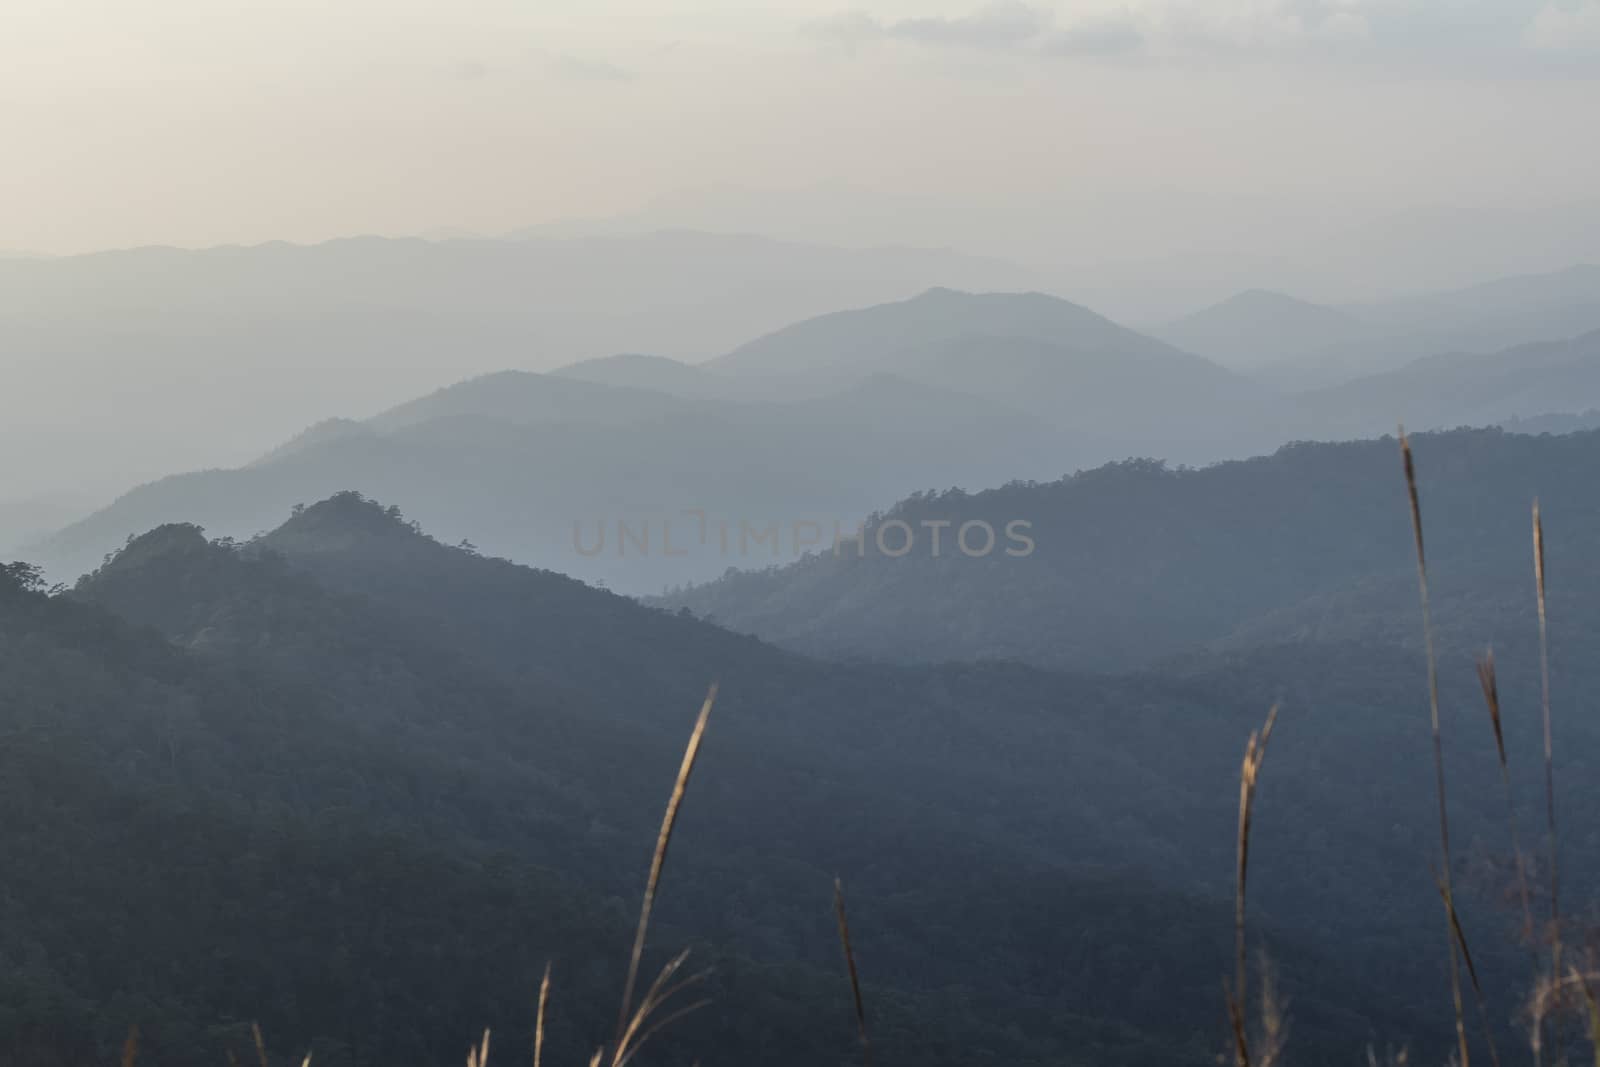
x=1134, y=562
x=470, y=708
x=202, y=837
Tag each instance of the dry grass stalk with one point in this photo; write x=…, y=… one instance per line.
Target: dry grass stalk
x=1255, y=753
x=647, y=1020
x=261, y=1046
x=130, y=1047
x=855, y=976
x=1391, y=1058
x=1438, y=747
x=1491, y=697
x=1592, y=1009
x=658, y=861
x=1274, y=1025
x=1490, y=683
x=479, y=1057
x=1549, y=745
x=1573, y=990
x=1472, y=971
x=538, y=1022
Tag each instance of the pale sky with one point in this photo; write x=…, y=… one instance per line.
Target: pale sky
x=1071, y=132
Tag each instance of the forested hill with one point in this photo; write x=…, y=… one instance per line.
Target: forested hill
x=347, y=696
x=275, y=839
x=1134, y=562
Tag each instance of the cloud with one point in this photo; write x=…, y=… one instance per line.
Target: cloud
x=1003, y=26
x=1465, y=36
x=1566, y=27
x=469, y=70
x=1265, y=26
x=579, y=68
x=1105, y=37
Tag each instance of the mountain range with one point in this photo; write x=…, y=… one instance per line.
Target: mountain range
x=1293, y=344
x=347, y=328
x=420, y=772
x=808, y=429
x=1131, y=565
x=604, y=468
x=131, y=343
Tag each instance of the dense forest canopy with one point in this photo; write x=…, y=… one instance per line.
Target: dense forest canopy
x=346, y=750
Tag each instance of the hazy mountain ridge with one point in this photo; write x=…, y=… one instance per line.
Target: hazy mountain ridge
x=1135, y=562
x=1444, y=391
x=546, y=452
x=810, y=428
x=350, y=326
x=1262, y=330
x=1292, y=344
x=659, y=373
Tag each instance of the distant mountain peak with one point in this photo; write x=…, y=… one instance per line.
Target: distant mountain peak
x=348, y=513
x=175, y=540
x=350, y=524
x=1269, y=300
x=325, y=432
x=946, y=294
x=637, y=370
x=1257, y=327
x=1267, y=296
x=168, y=558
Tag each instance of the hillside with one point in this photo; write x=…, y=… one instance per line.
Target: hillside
x=1136, y=562
x=927, y=738
x=1457, y=389
x=461, y=705
x=552, y=472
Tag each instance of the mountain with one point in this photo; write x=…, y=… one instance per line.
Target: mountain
x=1036, y=353
x=1556, y=424
x=1464, y=388
x=1258, y=328
x=327, y=432
x=26, y=519
x=630, y=370
x=804, y=430
x=348, y=327
x=1501, y=313
x=524, y=398
x=930, y=735
x=792, y=439
x=1130, y=564
x=1293, y=345
x=618, y=484
x=892, y=336
x=367, y=730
